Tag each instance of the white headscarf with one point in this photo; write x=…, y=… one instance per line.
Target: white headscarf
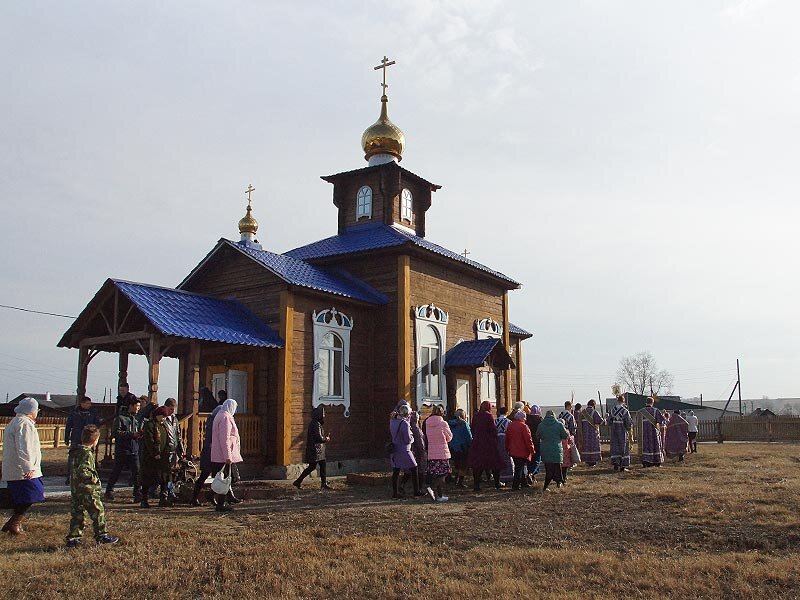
x=230, y=406
x=27, y=406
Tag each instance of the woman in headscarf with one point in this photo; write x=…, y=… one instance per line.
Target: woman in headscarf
x=483, y=454
x=549, y=435
x=22, y=463
x=459, y=445
x=533, y=420
x=677, y=441
x=507, y=472
x=418, y=448
x=225, y=447
x=206, y=468
x=402, y=458
x=519, y=446
x=439, y=435
x=315, y=449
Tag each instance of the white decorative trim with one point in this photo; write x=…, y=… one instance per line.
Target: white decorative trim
x=488, y=328
x=332, y=321
x=430, y=314
x=406, y=208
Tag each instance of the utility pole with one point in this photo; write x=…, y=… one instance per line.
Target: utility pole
x=701, y=399
x=739, y=384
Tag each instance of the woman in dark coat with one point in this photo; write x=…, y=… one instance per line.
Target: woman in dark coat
x=484, y=454
x=315, y=448
x=533, y=420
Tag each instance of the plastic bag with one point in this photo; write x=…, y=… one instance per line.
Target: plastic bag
x=221, y=484
x=575, y=454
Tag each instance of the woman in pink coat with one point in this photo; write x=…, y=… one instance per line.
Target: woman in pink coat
x=566, y=445
x=225, y=446
x=438, y=433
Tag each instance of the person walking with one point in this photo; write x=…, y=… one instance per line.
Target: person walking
x=566, y=445
x=402, y=458
x=519, y=446
x=126, y=449
x=174, y=448
x=533, y=419
x=590, y=421
x=79, y=417
x=124, y=397
x=502, y=423
x=418, y=448
x=226, y=448
x=620, y=422
x=568, y=418
x=438, y=452
x=459, y=445
x=652, y=421
x=316, y=442
x=549, y=434
x=694, y=424
x=677, y=440
x=484, y=456
x=206, y=467
x=22, y=463
x=576, y=413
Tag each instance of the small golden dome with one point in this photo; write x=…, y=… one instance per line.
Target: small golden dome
x=248, y=224
x=383, y=136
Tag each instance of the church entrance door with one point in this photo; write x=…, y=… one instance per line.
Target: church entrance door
x=463, y=396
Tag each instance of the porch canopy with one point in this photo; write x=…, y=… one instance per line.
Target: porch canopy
x=476, y=353
x=154, y=321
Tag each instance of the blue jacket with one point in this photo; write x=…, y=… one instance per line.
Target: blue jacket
x=76, y=421
x=462, y=435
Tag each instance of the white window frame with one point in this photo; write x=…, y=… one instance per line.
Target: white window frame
x=332, y=321
x=490, y=382
x=430, y=314
x=488, y=329
x=406, y=205
x=364, y=202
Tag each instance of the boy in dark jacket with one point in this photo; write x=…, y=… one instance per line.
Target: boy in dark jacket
x=127, y=434
x=85, y=491
x=155, y=457
x=80, y=416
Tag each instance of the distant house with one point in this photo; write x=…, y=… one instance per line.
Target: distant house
x=763, y=413
x=50, y=405
x=637, y=402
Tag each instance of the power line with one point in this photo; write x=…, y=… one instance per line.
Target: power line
x=38, y=312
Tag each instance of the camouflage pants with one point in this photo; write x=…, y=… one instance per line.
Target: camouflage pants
x=83, y=503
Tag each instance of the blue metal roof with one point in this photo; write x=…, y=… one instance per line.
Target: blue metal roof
x=193, y=316
x=375, y=236
x=470, y=354
x=296, y=272
x=516, y=330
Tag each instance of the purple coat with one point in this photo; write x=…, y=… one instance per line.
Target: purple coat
x=484, y=453
x=400, y=431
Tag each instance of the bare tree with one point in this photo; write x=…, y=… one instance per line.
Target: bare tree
x=639, y=373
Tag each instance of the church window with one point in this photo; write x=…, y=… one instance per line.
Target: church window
x=430, y=326
x=364, y=203
x=406, y=205
x=332, y=364
x=489, y=386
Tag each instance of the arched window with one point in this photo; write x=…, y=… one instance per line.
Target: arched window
x=406, y=205
x=431, y=349
x=332, y=363
x=331, y=366
x=364, y=203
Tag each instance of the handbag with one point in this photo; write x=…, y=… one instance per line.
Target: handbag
x=221, y=484
x=575, y=454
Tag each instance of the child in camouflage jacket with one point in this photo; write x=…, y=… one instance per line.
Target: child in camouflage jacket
x=85, y=490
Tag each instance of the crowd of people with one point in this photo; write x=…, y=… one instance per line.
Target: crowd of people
x=147, y=442
x=515, y=448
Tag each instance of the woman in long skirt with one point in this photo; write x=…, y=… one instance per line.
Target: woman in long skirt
x=22, y=463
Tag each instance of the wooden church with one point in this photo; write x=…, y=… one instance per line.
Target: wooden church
x=354, y=322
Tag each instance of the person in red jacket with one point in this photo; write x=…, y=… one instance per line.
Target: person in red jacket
x=519, y=445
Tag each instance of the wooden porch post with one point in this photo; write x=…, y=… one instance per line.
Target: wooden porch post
x=154, y=360
x=123, y=368
x=519, y=371
x=193, y=396
x=507, y=344
x=284, y=433
x=83, y=372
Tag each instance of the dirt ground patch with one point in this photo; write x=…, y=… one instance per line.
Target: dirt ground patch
x=725, y=524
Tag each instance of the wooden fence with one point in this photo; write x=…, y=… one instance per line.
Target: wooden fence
x=249, y=431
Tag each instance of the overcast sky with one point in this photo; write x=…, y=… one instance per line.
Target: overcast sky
x=634, y=164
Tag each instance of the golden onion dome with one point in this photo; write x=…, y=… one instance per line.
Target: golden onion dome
x=383, y=136
x=248, y=224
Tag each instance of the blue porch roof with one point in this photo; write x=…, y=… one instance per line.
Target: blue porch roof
x=376, y=236
x=194, y=316
x=473, y=353
x=516, y=330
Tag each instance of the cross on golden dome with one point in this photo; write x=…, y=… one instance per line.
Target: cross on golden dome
x=384, y=64
x=248, y=224
x=383, y=141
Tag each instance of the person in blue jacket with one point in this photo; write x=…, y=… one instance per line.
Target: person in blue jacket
x=80, y=416
x=459, y=445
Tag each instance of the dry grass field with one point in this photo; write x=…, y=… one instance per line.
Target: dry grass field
x=726, y=524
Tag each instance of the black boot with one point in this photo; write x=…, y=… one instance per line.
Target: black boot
x=232, y=499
